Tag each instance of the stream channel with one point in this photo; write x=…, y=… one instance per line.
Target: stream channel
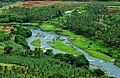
x=46, y=36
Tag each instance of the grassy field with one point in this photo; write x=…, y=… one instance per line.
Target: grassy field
x=99, y=55
x=49, y=27
x=36, y=42
x=60, y=46
x=92, y=49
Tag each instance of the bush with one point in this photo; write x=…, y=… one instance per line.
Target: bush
x=78, y=61
x=23, y=31
x=21, y=40
x=49, y=52
x=98, y=72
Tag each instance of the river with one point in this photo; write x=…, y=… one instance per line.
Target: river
x=46, y=36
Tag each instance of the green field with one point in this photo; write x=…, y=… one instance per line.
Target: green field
x=60, y=46
x=49, y=27
x=36, y=42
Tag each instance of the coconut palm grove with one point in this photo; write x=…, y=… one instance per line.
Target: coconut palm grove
x=60, y=39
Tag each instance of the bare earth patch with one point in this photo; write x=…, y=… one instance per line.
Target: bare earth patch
x=36, y=3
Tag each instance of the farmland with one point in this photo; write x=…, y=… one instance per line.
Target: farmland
x=59, y=39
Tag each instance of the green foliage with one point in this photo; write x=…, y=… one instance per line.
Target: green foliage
x=21, y=40
x=36, y=42
x=78, y=61
x=36, y=13
x=60, y=46
x=97, y=8
x=4, y=18
x=49, y=52
x=49, y=27
x=7, y=49
x=17, y=48
x=98, y=72
x=1, y=5
x=22, y=31
x=101, y=29
x=44, y=66
x=3, y=36
x=88, y=24
x=117, y=61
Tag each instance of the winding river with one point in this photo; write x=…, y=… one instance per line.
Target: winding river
x=46, y=36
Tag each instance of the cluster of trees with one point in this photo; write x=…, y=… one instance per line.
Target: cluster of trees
x=14, y=44
x=44, y=66
x=96, y=9
x=112, y=35
x=37, y=52
x=96, y=24
x=23, y=14
x=3, y=36
x=21, y=40
x=91, y=24
x=21, y=31
x=4, y=18
x=78, y=61
x=11, y=47
x=21, y=34
x=36, y=63
x=1, y=5
x=8, y=43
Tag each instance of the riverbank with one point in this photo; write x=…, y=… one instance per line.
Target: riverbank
x=82, y=42
x=94, y=48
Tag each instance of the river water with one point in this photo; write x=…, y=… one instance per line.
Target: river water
x=49, y=36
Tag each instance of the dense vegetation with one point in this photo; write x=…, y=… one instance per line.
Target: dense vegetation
x=21, y=31
x=44, y=66
x=26, y=63
x=92, y=21
x=95, y=22
x=1, y=5
x=17, y=60
x=36, y=13
x=4, y=36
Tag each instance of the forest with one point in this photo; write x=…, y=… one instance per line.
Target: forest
x=59, y=39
